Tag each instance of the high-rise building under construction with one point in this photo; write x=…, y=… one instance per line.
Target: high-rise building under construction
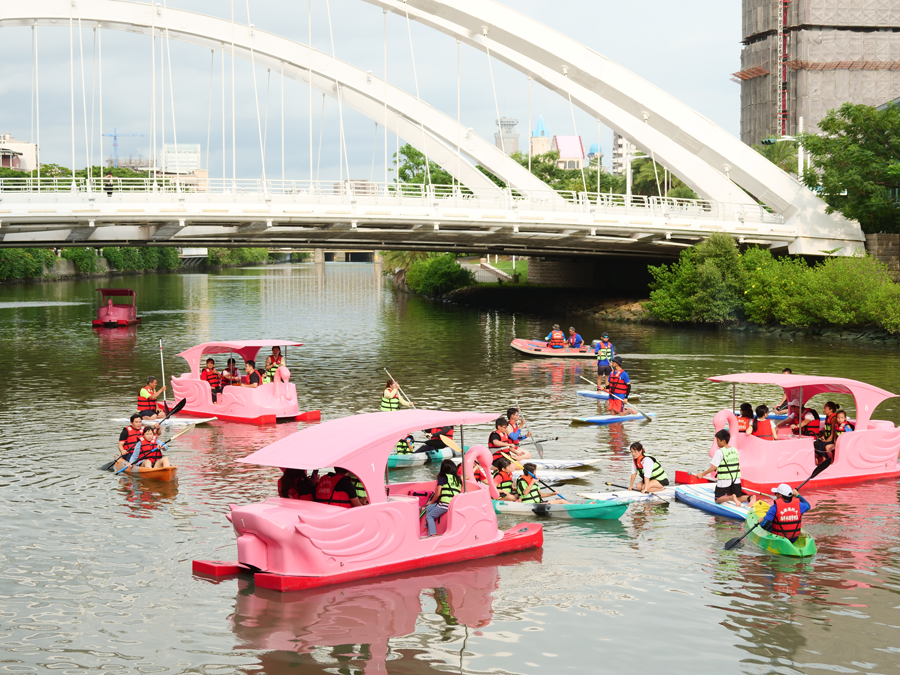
x=801, y=58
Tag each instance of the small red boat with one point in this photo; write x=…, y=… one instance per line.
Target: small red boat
x=118, y=313
x=540, y=348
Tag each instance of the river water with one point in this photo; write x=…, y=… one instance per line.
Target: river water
x=95, y=571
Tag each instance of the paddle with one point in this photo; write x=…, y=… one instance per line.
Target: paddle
x=162, y=367
x=633, y=407
x=537, y=444
x=178, y=407
x=409, y=400
x=165, y=445
x=652, y=494
x=533, y=476
x=634, y=397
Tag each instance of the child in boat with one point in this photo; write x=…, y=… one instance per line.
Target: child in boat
x=503, y=479
x=826, y=434
x=840, y=426
x=653, y=477
x=785, y=516
x=727, y=465
x=404, y=445
x=762, y=425
x=528, y=490
x=500, y=443
x=231, y=375
x=296, y=484
x=447, y=486
x=148, y=454
x=516, y=433
x=745, y=421
x=211, y=375
x=478, y=473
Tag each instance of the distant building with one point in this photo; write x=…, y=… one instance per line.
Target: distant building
x=17, y=155
x=571, y=151
x=895, y=102
x=510, y=141
x=621, y=147
x=181, y=158
x=540, y=138
x=596, y=151
x=138, y=163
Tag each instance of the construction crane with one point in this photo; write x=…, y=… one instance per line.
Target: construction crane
x=115, y=136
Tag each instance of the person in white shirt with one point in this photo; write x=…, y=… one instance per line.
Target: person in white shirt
x=726, y=463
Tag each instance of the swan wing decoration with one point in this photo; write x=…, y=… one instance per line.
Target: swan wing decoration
x=355, y=536
x=872, y=450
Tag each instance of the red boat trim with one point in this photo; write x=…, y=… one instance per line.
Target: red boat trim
x=522, y=537
x=687, y=478
x=311, y=416
x=819, y=481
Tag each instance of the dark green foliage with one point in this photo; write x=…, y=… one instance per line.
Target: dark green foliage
x=24, y=263
x=168, y=258
x=644, y=181
x=856, y=165
x=412, y=168
x=438, y=275
x=394, y=260
x=144, y=258
x=85, y=259
x=236, y=256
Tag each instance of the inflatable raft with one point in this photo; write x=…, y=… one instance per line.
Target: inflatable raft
x=609, y=419
x=540, y=348
x=702, y=497
x=595, y=510
x=805, y=545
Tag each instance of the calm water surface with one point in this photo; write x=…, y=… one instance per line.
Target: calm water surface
x=95, y=571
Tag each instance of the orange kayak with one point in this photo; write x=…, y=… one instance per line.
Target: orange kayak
x=163, y=475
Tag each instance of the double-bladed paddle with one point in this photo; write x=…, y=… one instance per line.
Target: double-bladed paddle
x=178, y=407
x=165, y=445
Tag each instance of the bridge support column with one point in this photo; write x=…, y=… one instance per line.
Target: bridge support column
x=340, y=256
x=885, y=248
x=318, y=255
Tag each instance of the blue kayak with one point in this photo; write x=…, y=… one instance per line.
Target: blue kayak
x=603, y=396
x=703, y=497
x=609, y=419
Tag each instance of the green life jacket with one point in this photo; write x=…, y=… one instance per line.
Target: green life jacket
x=528, y=494
x=658, y=472
x=605, y=353
x=729, y=468
x=389, y=403
x=450, y=489
x=360, y=488
x=403, y=447
x=271, y=370
x=505, y=485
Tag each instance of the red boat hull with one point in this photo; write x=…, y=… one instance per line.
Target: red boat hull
x=522, y=537
x=309, y=416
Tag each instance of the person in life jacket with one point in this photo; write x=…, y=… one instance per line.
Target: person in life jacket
x=826, y=433
x=296, y=484
x=146, y=454
x=785, y=516
x=503, y=479
x=447, y=486
x=391, y=399
x=231, y=375
x=605, y=352
x=727, y=464
x=130, y=435
x=516, y=433
x=212, y=376
x=619, y=387
x=527, y=487
x=556, y=339
x=147, y=406
x=762, y=425
x=273, y=363
x=254, y=377
x=574, y=339
x=793, y=415
x=404, y=446
x=809, y=423
x=360, y=489
x=745, y=421
x=783, y=404
x=337, y=488
x=839, y=426
x=478, y=473
x=434, y=441
x=650, y=475
x=500, y=444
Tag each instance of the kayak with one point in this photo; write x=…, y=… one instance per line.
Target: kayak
x=630, y=496
x=773, y=543
x=418, y=458
x=609, y=510
x=171, y=422
x=703, y=497
x=609, y=419
x=558, y=476
x=604, y=396
x=163, y=475
x=540, y=348
x=556, y=464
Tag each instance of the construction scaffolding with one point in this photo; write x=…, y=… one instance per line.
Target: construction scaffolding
x=802, y=58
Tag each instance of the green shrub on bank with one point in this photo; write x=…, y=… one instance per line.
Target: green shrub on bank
x=713, y=283
x=24, y=263
x=236, y=256
x=438, y=275
x=130, y=258
x=84, y=258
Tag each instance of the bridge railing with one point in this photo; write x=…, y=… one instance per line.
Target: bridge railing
x=363, y=192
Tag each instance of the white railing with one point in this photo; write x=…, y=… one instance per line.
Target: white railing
x=381, y=194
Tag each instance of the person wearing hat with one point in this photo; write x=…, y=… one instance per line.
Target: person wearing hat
x=619, y=388
x=785, y=516
x=793, y=416
x=556, y=339
x=605, y=351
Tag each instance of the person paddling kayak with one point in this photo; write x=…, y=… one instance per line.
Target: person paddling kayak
x=528, y=490
x=516, y=433
x=785, y=516
x=130, y=436
x=147, y=406
x=500, y=443
x=390, y=398
x=503, y=479
x=146, y=454
x=653, y=477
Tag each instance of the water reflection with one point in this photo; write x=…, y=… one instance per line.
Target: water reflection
x=325, y=627
x=144, y=495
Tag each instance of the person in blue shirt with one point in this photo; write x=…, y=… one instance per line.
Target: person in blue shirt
x=605, y=352
x=785, y=516
x=575, y=340
x=556, y=339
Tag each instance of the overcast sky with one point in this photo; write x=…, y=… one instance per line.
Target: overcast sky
x=687, y=48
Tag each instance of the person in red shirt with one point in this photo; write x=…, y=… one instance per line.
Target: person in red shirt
x=211, y=375
x=745, y=421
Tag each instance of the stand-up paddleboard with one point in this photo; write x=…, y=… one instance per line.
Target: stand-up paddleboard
x=418, y=458
x=553, y=464
x=630, y=496
x=551, y=476
x=702, y=497
x=171, y=422
x=609, y=419
x=604, y=396
x=609, y=510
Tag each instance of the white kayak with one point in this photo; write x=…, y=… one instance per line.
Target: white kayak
x=604, y=396
x=555, y=464
x=551, y=476
x=630, y=496
x=171, y=422
x=396, y=461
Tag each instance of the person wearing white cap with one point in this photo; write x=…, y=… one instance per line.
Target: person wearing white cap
x=785, y=516
x=793, y=416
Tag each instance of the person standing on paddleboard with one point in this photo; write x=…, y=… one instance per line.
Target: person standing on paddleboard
x=619, y=389
x=147, y=406
x=785, y=516
x=605, y=352
x=727, y=465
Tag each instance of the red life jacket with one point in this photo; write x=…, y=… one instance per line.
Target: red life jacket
x=617, y=386
x=841, y=428
x=326, y=492
x=764, y=430
x=479, y=474
x=134, y=435
x=514, y=441
x=498, y=453
x=210, y=376
x=787, y=519
x=235, y=376
x=812, y=427
x=557, y=338
x=437, y=432
x=744, y=423
x=145, y=403
x=149, y=451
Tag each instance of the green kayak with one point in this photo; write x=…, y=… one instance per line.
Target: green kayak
x=773, y=543
x=596, y=510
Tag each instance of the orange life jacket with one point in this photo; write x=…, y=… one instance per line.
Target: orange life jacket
x=617, y=386
x=134, y=435
x=744, y=423
x=557, y=338
x=479, y=474
x=149, y=451
x=813, y=426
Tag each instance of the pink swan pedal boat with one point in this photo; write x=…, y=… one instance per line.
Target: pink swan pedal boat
x=265, y=404
x=291, y=544
x=867, y=453
x=116, y=314
x=540, y=348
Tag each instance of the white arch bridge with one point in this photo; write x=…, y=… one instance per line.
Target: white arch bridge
x=742, y=194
